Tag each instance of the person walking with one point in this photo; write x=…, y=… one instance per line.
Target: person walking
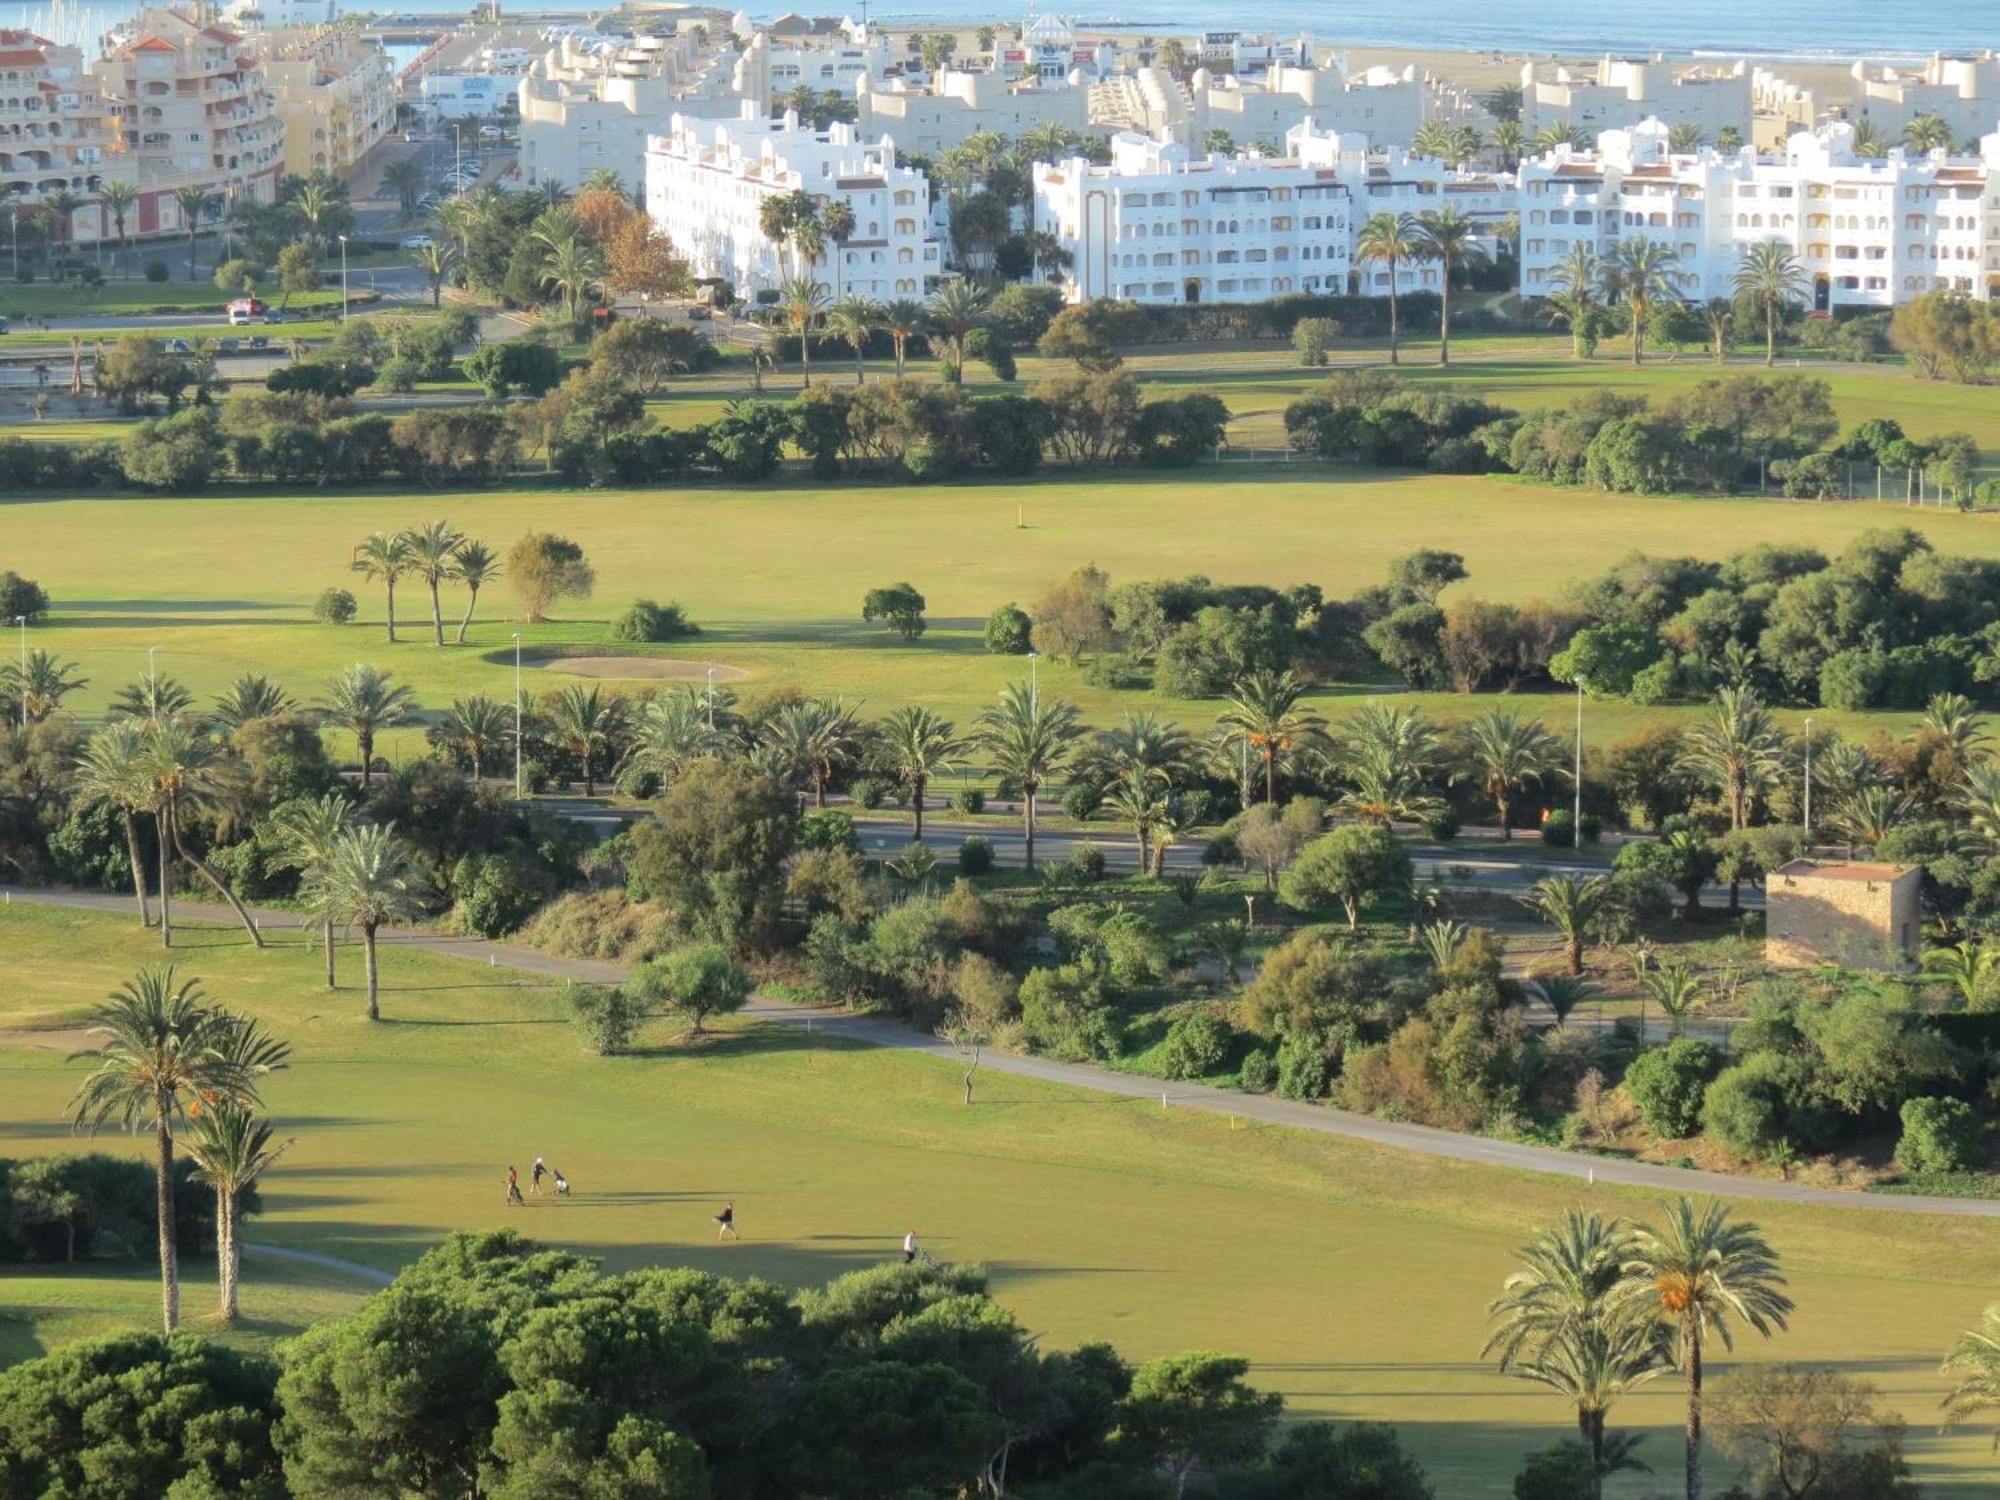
x=535, y=1178
x=909, y=1247
x=562, y=1182
x=514, y=1188
x=725, y=1224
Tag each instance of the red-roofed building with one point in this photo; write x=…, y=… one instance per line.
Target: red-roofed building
x=53, y=134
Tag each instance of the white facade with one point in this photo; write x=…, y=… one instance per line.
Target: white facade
x=1868, y=233
x=1962, y=91
x=769, y=68
x=1622, y=92
x=1050, y=50
x=955, y=106
x=583, y=109
x=450, y=93
x=1382, y=104
x=707, y=181
x=1253, y=52
x=1160, y=224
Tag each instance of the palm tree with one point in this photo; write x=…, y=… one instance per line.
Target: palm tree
x=1564, y=133
x=1139, y=803
x=435, y=261
x=407, y=179
x=1729, y=138
x=1969, y=967
x=574, y=271
x=366, y=881
x=1144, y=749
x=1979, y=799
x=119, y=198
x=1685, y=138
x=854, y=319
x=1974, y=1363
x=672, y=732
x=1557, y=1324
x=193, y=203
x=791, y=219
x=362, y=701
x=432, y=553
x=604, y=180
x=164, y=1043
x=1265, y=712
x=1955, y=735
x=188, y=771
x=152, y=697
x=1570, y=904
x=1508, y=141
x=1561, y=993
x=1718, y=315
x=919, y=745
x=1697, y=1273
x=315, y=202
x=1737, y=748
x=836, y=222
x=1773, y=275
x=953, y=311
x=1446, y=236
x=38, y=686
x=475, y=566
x=1643, y=272
x=1869, y=140
x=232, y=1148
x=1677, y=990
x=1028, y=739
x=586, y=721
x=1928, y=132
x=902, y=320
x=304, y=834
x=1387, y=240
x=250, y=697
x=813, y=740
x=479, y=727
x=803, y=300
x=112, y=772
x=384, y=558
x=1503, y=751
x=1574, y=280
x=1865, y=815
x=1386, y=757
x=60, y=209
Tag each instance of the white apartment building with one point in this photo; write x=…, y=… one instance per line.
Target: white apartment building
x=707, y=181
x=1049, y=49
x=1962, y=91
x=452, y=93
x=335, y=94
x=1382, y=104
x=1869, y=233
x=191, y=110
x=1252, y=52
x=53, y=133
x=930, y=119
x=1160, y=224
x=585, y=108
x=1622, y=92
x=769, y=68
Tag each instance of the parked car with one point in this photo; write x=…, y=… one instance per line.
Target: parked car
x=243, y=309
x=179, y=346
x=228, y=346
x=698, y=312
x=416, y=242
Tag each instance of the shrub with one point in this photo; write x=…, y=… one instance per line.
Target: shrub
x=1764, y=1101
x=1259, y=1073
x=497, y=892
x=1064, y=1013
x=156, y=271
x=899, y=606
x=1085, y=863
x=606, y=1017
x=1312, y=337
x=599, y=924
x=968, y=799
x=1007, y=631
x=399, y=375
x=975, y=856
x=1940, y=1135
x=21, y=598
x=1303, y=1071
x=1197, y=1046
x=1559, y=829
x=1081, y=800
x=1669, y=1084
x=334, y=607
x=645, y=622
x=829, y=828
x=867, y=793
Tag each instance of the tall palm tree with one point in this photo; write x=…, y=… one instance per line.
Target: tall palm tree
x=1266, y=712
x=384, y=558
x=1686, y=137
x=604, y=180
x=153, y=697
x=1502, y=752
x=1865, y=815
x=435, y=260
x=1028, y=739
x=304, y=834
x=1386, y=757
x=1388, y=240
x=1974, y=1366
x=1773, y=275
x=1145, y=749
x=1928, y=132
x=1570, y=904
x=1564, y=133
x=1508, y=141
x=1556, y=1323
x=812, y=741
x=1446, y=236
x=1869, y=140
x=854, y=320
x=918, y=745
x=672, y=732
x=574, y=271
x=61, y=206
x=1979, y=800
x=803, y=300
x=119, y=198
x=791, y=219
x=188, y=770
x=902, y=320
x=1954, y=733
x=167, y=1051
x=250, y=697
x=1698, y=1273
x=36, y=688
x=194, y=204
x=316, y=202
x=475, y=566
x=112, y=772
x=586, y=721
x=231, y=1148
x=1643, y=271
x=407, y=179
x=367, y=879
x=432, y=550
x=953, y=311
x=1737, y=748
x=478, y=726
x=364, y=702
x=1141, y=804
x=1573, y=282
x=836, y=222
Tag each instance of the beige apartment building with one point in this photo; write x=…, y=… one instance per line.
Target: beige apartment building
x=335, y=95
x=53, y=133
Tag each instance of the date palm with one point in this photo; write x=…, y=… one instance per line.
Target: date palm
x=836, y=223
x=1970, y=967
x=791, y=219
x=1865, y=816
x=367, y=880
x=1973, y=1365
x=854, y=319
x=1144, y=749
x=1574, y=282
x=1140, y=804
x=810, y=742
x=1385, y=758
x=249, y=697
x=363, y=701
x=432, y=550
x=475, y=566
x=167, y=1053
x=1869, y=140
x=1446, y=236
x=36, y=688
x=917, y=746
x=119, y=198
x=803, y=301
x=112, y=772
x=407, y=179
x=1563, y=133
x=1557, y=1323
x=672, y=732
x=316, y=203
x=189, y=771
x=1389, y=241
x=1504, y=752
x=1928, y=132
x=303, y=834
x=153, y=697
x=1954, y=734
x=586, y=722
x=1699, y=1273
x=1979, y=800
x=1562, y=994
x=384, y=558
x=1677, y=990
x=231, y=1148
x=1266, y=712
x=902, y=320
x=1642, y=272
x=952, y=312
x=1571, y=904
x=1508, y=141
x=478, y=727
x=1772, y=275
x=1028, y=739
x=574, y=271
x=435, y=260
x=194, y=204
x=1736, y=748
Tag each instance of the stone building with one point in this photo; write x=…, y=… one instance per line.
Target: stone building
x=1860, y=916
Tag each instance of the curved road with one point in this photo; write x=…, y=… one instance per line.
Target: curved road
x=1263, y=1108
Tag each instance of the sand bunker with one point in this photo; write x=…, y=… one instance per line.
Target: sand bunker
x=642, y=668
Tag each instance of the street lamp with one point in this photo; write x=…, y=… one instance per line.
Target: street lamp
x=343, y=278
x=1808, y=813
x=1576, y=825
x=1034, y=678
x=711, y=700
x=22, y=621
x=517, y=716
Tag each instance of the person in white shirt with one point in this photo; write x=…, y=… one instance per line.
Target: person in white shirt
x=909, y=1247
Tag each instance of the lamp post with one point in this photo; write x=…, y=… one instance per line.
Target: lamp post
x=711, y=700
x=1576, y=824
x=22, y=621
x=1034, y=679
x=517, y=716
x=1808, y=812
x=343, y=278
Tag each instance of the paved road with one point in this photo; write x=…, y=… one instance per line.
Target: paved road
x=1261, y=1108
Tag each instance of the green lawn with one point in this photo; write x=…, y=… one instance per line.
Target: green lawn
x=1354, y=1277
x=46, y=300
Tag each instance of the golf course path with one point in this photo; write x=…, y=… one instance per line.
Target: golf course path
x=1263, y=1109
x=352, y=1268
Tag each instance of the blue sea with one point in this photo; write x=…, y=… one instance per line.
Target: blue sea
x=1806, y=29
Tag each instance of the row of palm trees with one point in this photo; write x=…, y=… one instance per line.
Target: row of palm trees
x=435, y=553
x=1644, y=272
x=948, y=317
x=1441, y=236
